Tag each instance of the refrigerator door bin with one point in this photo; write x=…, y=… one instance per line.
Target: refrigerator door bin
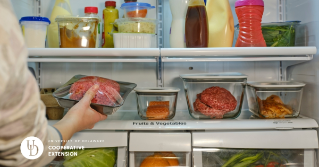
x=163, y=148
x=100, y=149
x=288, y=148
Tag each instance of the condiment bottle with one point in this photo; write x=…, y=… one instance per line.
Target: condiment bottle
x=91, y=11
x=196, y=27
x=221, y=23
x=61, y=7
x=110, y=14
x=128, y=1
x=177, y=31
x=249, y=13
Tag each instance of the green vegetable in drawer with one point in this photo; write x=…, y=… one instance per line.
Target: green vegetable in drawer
x=91, y=157
x=279, y=34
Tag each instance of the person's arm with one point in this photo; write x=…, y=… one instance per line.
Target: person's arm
x=22, y=113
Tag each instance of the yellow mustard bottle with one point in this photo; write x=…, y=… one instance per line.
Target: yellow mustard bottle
x=110, y=14
x=221, y=23
x=61, y=7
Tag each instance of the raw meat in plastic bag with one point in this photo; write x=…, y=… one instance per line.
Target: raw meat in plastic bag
x=108, y=93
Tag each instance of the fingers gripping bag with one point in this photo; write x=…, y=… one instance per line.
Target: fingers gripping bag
x=108, y=99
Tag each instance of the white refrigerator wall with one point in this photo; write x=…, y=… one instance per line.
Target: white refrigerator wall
x=307, y=12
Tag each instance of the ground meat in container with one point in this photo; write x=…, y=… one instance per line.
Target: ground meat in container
x=106, y=94
x=215, y=102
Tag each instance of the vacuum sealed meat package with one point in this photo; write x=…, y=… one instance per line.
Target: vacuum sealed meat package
x=108, y=93
x=108, y=99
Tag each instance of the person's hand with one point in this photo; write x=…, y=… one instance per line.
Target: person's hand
x=81, y=116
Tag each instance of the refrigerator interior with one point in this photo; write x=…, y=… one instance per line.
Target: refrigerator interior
x=146, y=74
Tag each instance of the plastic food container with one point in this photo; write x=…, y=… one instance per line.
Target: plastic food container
x=214, y=96
x=277, y=34
x=275, y=99
x=136, y=9
x=78, y=32
x=156, y=103
x=136, y=25
x=34, y=30
x=134, y=40
x=63, y=95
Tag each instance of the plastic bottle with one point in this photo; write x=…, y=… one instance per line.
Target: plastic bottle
x=249, y=13
x=61, y=7
x=177, y=31
x=221, y=23
x=91, y=11
x=110, y=14
x=196, y=25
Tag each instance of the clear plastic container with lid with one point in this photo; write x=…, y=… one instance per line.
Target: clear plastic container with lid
x=34, y=30
x=156, y=103
x=136, y=25
x=274, y=99
x=214, y=96
x=136, y=9
x=78, y=32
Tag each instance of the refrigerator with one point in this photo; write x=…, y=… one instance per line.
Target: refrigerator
x=193, y=142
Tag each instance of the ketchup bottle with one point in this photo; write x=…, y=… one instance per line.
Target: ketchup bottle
x=249, y=13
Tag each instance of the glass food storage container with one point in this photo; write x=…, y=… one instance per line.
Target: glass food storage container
x=153, y=149
x=135, y=25
x=91, y=149
x=277, y=34
x=78, y=32
x=274, y=99
x=214, y=96
x=156, y=103
x=136, y=9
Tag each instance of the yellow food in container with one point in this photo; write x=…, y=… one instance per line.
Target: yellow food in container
x=136, y=25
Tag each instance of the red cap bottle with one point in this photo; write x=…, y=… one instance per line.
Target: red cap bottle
x=110, y=3
x=91, y=9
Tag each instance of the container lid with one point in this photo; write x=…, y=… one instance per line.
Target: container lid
x=70, y=18
x=283, y=84
x=136, y=4
x=239, y=3
x=110, y=3
x=34, y=18
x=157, y=90
x=91, y=9
x=225, y=75
x=287, y=23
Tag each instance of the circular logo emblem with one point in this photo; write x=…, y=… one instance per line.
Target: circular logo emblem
x=31, y=147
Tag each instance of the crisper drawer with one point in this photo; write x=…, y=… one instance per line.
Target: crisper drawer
x=160, y=149
x=255, y=148
x=108, y=149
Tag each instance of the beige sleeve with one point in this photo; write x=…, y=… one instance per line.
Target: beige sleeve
x=22, y=113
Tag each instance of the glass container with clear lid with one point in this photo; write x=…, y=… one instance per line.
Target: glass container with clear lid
x=214, y=96
x=156, y=103
x=275, y=99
